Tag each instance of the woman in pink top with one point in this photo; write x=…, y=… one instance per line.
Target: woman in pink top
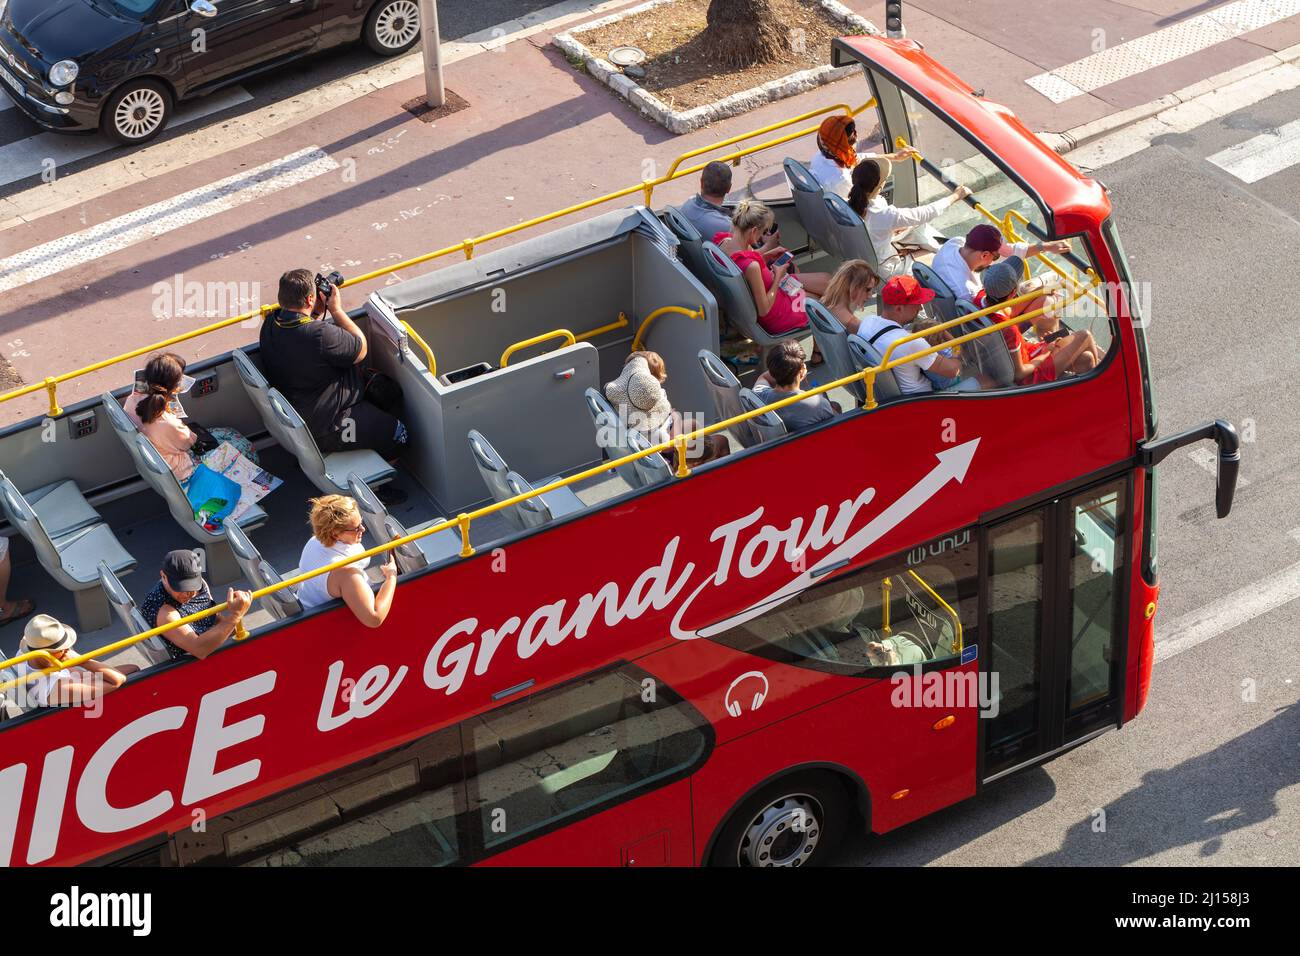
x=778, y=293
x=151, y=410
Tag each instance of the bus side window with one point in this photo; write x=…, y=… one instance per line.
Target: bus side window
x=577, y=749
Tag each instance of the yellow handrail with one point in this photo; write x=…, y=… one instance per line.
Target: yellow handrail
x=620, y=323
x=461, y=523
x=50, y=384
x=569, y=339
x=849, y=111
x=956, y=620
x=645, y=323
x=419, y=340
x=886, y=588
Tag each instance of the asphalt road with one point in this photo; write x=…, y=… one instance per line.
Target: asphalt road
x=1210, y=771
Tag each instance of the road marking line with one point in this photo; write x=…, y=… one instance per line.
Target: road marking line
x=77, y=249
x=1209, y=460
x=26, y=157
x=1262, y=155
x=1160, y=47
x=1238, y=608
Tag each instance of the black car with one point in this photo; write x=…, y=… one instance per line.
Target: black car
x=121, y=65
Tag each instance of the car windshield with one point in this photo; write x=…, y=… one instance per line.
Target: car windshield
x=136, y=9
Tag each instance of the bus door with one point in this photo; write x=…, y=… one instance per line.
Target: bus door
x=1053, y=637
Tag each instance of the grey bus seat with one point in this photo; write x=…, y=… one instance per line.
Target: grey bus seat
x=161, y=479
x=848, y=233
x=120, y=600
x=611, y=434
x=944, y=304
x=833, y=341
x=649, y=469
x=728, y=285
x=53, y=519
x=383, y=528
x=329, y=472
x=259, y=574
x=541, y=509
x=809, y=203
x=690, y=243
x=767, y=426
x=988, y=353
x=496, y=475
x=865, y=356
x=725, y=389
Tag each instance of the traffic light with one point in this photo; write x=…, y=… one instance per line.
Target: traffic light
x=894, y=19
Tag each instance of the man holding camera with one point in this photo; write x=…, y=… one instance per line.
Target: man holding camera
x=316, y=364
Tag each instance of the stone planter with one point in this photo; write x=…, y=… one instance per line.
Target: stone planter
x=684, y=121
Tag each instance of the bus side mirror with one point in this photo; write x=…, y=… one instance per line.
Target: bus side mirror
x=1224, y=435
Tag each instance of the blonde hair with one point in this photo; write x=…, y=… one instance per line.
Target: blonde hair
x=923, y=322
x=331, y=515
x=750, y=214
x=852, y=278
x=653, y=360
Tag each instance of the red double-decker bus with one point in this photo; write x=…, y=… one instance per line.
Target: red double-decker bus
x=849, y=627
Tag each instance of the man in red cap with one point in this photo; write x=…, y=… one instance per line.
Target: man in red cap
x=961, y=260
x=901, y=300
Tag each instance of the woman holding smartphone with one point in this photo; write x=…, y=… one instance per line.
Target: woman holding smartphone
x=778, y=293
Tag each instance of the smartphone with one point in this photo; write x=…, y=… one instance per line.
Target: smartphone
x=783, y=258
x=1058, y=334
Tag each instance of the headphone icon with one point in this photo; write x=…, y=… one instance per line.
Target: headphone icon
x=733, y=707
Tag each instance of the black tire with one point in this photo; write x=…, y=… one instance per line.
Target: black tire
x=775, y=841
x=392, y=27
x=136, y=112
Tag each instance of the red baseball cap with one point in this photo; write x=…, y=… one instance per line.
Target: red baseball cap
x=905, y=290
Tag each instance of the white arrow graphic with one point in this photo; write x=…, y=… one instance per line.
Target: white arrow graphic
x=952, y=466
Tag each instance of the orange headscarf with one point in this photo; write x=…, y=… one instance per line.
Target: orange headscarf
x=834, y=141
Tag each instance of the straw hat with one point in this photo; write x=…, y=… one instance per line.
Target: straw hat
x=44, y=633
x=641, y=395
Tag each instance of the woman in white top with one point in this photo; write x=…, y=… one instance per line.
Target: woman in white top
x=885, y=223
x=337, y=530
x=837, y=155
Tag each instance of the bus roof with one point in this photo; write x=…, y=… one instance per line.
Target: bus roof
x=1065, y=192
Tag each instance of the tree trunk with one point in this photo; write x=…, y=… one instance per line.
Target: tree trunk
x=743, y=33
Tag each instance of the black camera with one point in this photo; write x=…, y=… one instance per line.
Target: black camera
x=324, y=284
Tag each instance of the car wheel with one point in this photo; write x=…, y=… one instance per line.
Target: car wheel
x=795, y=821
x=136, y=112
x=393, y=26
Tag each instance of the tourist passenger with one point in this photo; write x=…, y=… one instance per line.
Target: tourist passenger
x=1039, y=362
x=787, y=370
x=778, y=293
x=961, y=260
x=642, y=404
x=704, y=210
x=901, y=300
x=73, y=685
x=923, y=323
x=10, y=610
x=154, y=406
x=837, y=155
x=317, y=365
x=337, y=530
x=180, y=592
x=888, y=224
x=849, y=291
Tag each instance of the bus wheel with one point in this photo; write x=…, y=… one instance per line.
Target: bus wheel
x=795, y=821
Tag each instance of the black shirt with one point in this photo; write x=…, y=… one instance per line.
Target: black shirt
x=313, y=364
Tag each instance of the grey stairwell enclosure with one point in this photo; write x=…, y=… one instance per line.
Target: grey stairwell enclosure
x=329, y=472
x=70, y=540
x=579, y=278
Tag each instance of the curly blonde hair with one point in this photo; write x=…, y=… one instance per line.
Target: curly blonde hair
x=330, y=516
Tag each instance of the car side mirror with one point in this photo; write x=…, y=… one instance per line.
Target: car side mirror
x=204, y=8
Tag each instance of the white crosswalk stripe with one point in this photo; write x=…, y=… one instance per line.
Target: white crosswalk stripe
x=1262, y=155
x=1159, y=47
x=30, y=156
x=77, y=249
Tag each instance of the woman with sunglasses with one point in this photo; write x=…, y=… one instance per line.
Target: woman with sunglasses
x=896, y=233
x=837, y=154
x=337, y=530
x=849, y=291
x=155, y=408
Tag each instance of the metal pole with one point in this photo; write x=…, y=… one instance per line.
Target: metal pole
x=432, y=45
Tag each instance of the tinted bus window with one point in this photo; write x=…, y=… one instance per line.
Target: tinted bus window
x=575, y=749
x=909, y=609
